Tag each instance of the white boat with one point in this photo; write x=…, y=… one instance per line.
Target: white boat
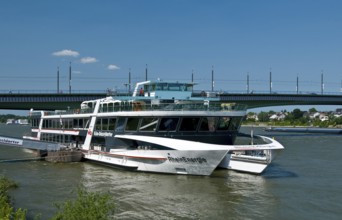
x=17, y=122
x=163, y=127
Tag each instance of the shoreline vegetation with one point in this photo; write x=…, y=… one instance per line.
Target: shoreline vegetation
x=296, y=118
x=87, y=205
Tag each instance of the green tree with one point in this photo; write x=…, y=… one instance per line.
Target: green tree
x=263, y=117
x=312, y=110
x=7, y=212
x=88, y=205
x=297, y=113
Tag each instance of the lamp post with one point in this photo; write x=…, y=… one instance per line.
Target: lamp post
x=247, y=82
x=212, y=78
x=322, y=83
x=58, y=79
x=129, y=81
x=70, y=78
x=270, y=80
x=297, y=87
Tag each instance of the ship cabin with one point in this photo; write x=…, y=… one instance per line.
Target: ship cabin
x=164, y=90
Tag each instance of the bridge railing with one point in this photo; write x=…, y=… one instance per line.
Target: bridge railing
x=106, y=91
x=196, y=92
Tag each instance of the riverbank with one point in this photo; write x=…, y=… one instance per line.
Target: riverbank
x=265, y=124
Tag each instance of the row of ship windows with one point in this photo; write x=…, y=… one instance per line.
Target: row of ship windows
x=170, y=124
x=121, y=124
x=65, y=123
x=56, y=138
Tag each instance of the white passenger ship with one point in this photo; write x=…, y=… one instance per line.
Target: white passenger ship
x=161, y=128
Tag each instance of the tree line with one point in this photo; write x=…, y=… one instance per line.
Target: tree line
x=296, y=117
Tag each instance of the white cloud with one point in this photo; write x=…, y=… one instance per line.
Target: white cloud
x=89, y=60
x=113, y=67
x=69, y=53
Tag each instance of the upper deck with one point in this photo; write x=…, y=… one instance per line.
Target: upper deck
x=164, y=90
x=154, y=96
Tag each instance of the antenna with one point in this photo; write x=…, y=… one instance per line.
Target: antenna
x=146, y=73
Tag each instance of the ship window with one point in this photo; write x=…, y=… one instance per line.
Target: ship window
x=98, y=124
x=75, y=123
x=161, y=86
x=69, y=122
x=80, y=123
x=120, y=124
x=87, y=122
x=105, y=124
x=168, y=124
x=174, y=87
x=104, y=107
x=132, y=124
x=235, y=123
x=223, y=124
x=148, y=124
x=208, y=124
x=65, y=123
x=116, y=106
x=45, y=124
x=189, y=124
x=111, y=124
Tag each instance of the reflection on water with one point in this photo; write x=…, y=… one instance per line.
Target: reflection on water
x=143, y=195
x=276, y=171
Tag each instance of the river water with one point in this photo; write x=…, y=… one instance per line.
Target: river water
x=304, y=182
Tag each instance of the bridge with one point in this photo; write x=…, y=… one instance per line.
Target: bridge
x=57, y=101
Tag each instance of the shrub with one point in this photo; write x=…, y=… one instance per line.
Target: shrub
x=6, y=210
x=88, y=205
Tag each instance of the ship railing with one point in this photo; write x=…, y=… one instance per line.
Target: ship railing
x=175, y=107
x=218, y=107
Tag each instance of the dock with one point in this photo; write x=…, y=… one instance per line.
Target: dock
x=52, y=152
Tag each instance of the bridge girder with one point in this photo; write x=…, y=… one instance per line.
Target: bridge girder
x=73, y=101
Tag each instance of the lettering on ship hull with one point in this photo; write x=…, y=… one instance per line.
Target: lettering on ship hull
x=199, y=160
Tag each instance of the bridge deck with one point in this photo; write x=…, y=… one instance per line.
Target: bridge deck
x=72, y=101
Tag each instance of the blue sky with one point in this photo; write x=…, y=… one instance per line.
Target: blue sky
x=174, y=38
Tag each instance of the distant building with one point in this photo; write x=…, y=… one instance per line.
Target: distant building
x=278, y=116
